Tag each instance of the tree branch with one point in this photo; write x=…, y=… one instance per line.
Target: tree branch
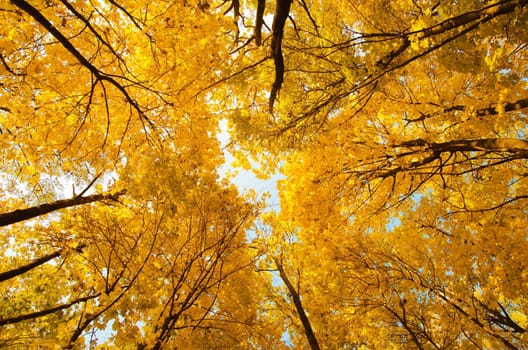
x=37, y=262
x=37, y=314
x=481, y=15
x=101, y=76
x=312, y=340
x=282, y=10
x=39, y=210
x=490, y=145
x=403, y=320
x=259, y=21
x=483, y=112
x=25, y=268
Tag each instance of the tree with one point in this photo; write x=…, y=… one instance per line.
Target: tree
x=101, y=96
x=399, y=128
x=405, y=162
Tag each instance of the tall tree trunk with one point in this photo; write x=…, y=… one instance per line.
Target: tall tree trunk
x=310, y=335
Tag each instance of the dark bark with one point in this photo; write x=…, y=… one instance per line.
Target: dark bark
x=282, y=11
x=466, y=309
x=483, y=112
x=9, y=69
x=481, y=15
x=508, y=107
x=37, y=314
x=32, y=212
x=86, y=320
x=310, y=335
x=501, y=318
x=63, y=40
x=512, y=148
x=387, y=59
x=39, y=17
x=259, y=21
x=487, y=12
x=403, y=320
x=23, y=269
x=476, y=321
x=87, y=23
x=490, y=145
x=4, y=276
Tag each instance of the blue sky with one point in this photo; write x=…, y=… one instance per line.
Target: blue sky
x=245, y=180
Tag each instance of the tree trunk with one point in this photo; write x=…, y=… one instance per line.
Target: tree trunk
x=310, y=335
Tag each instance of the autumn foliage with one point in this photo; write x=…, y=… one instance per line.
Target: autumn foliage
x=398, y=129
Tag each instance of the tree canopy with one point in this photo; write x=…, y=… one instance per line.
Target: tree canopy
x=399, y=130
